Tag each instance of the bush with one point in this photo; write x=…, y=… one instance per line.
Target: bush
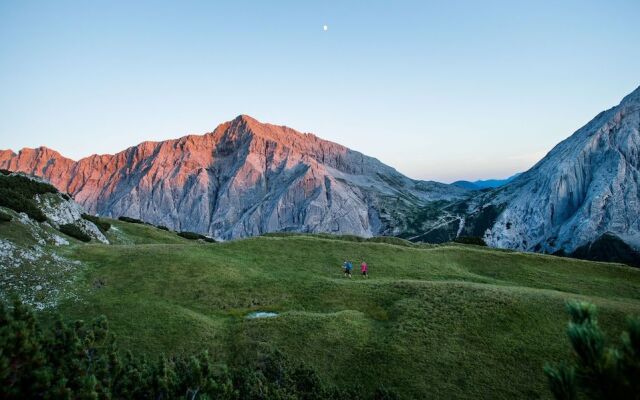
x=26, y=186
x=474, y=240
x=162, y=227
x=19, y=203
x=131, y=220
x=82, y=361
x=75, y=232
x=597, y=371
x=196, y=236
x=103, y=225
x=17, y=193
x=4, y=217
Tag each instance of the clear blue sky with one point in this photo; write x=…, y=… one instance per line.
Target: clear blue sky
x=440, y=90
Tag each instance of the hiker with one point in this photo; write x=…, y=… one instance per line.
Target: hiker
x=347, y=268
x=364, y=269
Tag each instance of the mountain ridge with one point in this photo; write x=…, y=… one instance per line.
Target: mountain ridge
x=243, y=178
x=485, y=183
x=247, y=178
x=585, y=187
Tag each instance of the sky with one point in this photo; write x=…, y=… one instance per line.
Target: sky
x=440, y=90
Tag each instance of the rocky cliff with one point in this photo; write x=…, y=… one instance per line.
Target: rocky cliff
x=586, y=187
x=244, y=178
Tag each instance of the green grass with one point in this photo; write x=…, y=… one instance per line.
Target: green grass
x=133, y=233
x=449, y=321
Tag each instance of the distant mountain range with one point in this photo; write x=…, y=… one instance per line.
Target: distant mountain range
x=247, y=178
x=484, y=184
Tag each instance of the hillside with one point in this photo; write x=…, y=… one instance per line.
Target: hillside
x=36, y=224
x=447, y=321
x=586, y=189
x=243, y=179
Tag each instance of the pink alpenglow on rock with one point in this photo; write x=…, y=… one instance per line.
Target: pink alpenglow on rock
x=243, y=179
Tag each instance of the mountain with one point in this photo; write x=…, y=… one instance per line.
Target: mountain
x=584, y=191
x=484, y=184
x=245, y=178
x=582, y=199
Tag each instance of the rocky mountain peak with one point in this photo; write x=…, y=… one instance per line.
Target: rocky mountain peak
x=632, y=98
x=279, y=133
x=588, y=185
x=244, y=178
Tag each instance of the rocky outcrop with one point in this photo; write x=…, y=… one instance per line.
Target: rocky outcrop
x=61, y=211
x=586, y=187
x=31, y=267
x=245, y=178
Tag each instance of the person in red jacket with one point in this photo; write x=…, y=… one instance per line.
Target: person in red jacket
x=364, y=269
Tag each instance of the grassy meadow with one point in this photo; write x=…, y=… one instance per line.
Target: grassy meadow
x=448, y=321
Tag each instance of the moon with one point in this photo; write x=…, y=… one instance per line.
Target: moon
x=325, y=28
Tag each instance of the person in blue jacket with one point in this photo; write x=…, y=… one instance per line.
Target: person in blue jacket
x=347, y=267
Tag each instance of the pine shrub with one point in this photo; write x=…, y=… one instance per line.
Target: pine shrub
x=196, y=236
x=75, y=232
x=597, y=371
x=473, y=240
x=19, y=203
x=26, y=186
x=82, y=361
x=131, y=220
x=17, y=193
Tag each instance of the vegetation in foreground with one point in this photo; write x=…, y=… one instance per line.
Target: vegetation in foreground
x=450, y=321
x=597, y=371
x=82, y=361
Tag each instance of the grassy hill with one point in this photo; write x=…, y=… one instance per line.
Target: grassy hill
x=448, y=321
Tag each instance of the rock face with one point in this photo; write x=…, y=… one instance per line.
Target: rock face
x=245, y=178
x=586, y=187
x=60, y=211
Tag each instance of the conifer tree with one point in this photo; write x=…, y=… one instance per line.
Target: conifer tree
x=81, y=361
x=597, y=371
